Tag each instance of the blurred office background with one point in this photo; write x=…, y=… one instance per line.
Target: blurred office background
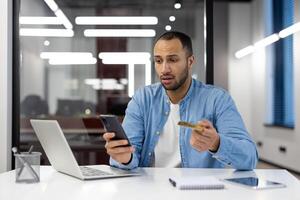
x=76, y=61
x=74, y=78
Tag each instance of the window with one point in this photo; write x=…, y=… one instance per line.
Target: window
x=280, y=14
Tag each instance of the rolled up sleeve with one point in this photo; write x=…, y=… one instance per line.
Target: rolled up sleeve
x=134, y=128
x=236, y=148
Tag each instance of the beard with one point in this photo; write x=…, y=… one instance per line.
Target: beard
x=176, y=83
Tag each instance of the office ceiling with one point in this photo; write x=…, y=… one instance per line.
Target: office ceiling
x=130, y=3
x=120, y=3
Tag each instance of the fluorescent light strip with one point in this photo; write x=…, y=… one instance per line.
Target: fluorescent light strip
x=104, y=84
x=131, y=80
x=245, y=51
x=72, y=61
x=148, y=73
x=119, y=33
x=39, y=20
x=69, y=58
x=49, y=55
x=124, y=57
x=130, y=58
x=267, y=41
x=44, y=32
x=52, y=5
x=144, y=55
x=258, y=45
x=116, y=20
x=123, y=62
x=59, y=14
x=92, y=81
x=65, y=21
x=290, y=30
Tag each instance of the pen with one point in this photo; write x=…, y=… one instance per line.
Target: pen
x=29, y=152
x=172, y=182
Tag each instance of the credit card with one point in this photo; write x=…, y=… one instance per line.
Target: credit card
x=190, y=125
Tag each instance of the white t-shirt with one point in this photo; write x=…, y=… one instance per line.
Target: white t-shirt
x=167, y=152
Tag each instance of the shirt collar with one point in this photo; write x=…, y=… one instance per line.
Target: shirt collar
x=188, y=94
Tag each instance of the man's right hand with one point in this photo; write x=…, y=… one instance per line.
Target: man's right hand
x=116, y=149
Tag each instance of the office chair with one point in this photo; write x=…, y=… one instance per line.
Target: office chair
x=33, y=106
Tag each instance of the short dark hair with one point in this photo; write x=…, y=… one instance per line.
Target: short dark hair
x=184, y=39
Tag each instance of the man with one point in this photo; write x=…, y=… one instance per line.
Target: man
x=154, y=111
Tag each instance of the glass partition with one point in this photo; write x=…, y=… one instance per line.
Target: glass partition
x=82, y=58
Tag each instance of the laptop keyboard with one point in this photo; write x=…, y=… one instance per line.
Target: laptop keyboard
x=87, y=171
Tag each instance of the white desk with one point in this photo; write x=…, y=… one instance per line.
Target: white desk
x=153, y=185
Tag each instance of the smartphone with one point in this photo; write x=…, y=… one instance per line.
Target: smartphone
x=112, y=124
x=255, y=183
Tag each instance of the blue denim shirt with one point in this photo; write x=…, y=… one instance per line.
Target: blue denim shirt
x=147, y=113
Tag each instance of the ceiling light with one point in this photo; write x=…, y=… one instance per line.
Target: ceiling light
x=119, y=33
x=172, y=18
x=124, y=57
x=92, y=81
x=267, y=41
x=258, y=45
x=52, y=5
x=44, y=32
x=48, y=55
x=46, y=43
x=245, y=51
x=131, y=80
x=290, y=30
x=72, y=61
x=168, y=28
x=69, y=58
x=39, y=20
x=104, y=84
x=177, y=5
x=65, y=21
x=129, y=58
x=116, y=20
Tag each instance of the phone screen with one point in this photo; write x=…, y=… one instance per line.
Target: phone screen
x=112, y=124
x=256, y=183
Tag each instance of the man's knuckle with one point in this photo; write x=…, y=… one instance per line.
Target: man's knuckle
x=193, y=143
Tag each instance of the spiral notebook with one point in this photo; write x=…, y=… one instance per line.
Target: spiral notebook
x=197, y=183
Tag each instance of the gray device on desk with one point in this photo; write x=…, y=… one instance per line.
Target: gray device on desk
x=255, y=183
x=61, y=157
x=112, y=124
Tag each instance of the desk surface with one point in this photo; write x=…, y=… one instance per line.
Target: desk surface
x=152, y=185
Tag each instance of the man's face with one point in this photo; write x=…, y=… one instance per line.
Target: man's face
x=172, y=64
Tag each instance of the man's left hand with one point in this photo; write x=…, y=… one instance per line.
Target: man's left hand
x=208, y=139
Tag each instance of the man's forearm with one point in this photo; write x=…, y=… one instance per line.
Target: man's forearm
x=238, y=153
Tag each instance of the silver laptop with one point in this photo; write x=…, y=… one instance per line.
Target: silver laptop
x=61, y=157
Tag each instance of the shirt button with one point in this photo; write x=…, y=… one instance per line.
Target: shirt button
x=149, y=154
x=166, y=113
x=157, y=132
